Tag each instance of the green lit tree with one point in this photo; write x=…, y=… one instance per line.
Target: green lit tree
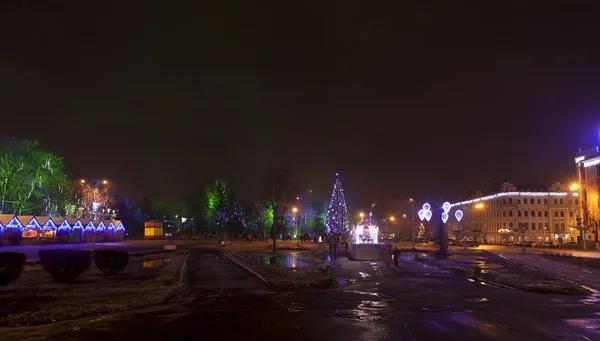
x=218, y=209
x=29, y=176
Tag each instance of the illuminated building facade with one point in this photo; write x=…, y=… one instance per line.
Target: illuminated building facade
x=512, y=215
x=588, y=175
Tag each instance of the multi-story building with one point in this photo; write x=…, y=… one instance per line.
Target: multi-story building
x=588, y=175
x=512, y=215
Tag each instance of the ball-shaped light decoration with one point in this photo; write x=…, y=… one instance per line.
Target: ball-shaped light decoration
x=446, y=207
x=458, y=215
x=426, y=207
x=428, y=215
x=421, y=214
x=445, y=217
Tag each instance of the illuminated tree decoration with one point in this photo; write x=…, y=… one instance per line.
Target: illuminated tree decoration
x=337, y=214
x=458, y=215
x=445, y=217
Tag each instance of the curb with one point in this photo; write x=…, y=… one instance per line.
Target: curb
x=247, y=269
x=183, y=269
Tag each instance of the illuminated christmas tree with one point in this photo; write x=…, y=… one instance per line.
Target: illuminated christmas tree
x=337, y=214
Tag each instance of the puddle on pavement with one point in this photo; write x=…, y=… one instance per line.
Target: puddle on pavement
x=477, y=299
x=593, y=298
x=287, y=261
x=366, y=311
x=364, y=275
x=148, y=264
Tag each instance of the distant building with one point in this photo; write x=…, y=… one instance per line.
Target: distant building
x=512, y=215
x=588, y=175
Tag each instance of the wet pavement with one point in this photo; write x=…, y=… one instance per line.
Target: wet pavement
x=411, y=302
x=290, y=260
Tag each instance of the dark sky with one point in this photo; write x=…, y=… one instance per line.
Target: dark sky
x=403, y=98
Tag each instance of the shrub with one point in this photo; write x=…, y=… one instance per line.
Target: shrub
x=111, y=261
x=65, y=265
x=11, y=266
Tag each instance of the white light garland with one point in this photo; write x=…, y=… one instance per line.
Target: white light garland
x=512, y=194
x=591, y=163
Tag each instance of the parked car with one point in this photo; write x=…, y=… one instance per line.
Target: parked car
x=471, y=243
x=454, y=242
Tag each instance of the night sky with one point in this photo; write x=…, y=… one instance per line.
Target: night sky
x=404, y=99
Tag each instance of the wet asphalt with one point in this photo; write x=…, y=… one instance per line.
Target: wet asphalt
x=221, y=301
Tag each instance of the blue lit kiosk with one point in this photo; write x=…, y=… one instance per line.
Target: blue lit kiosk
x=76, y=230
x=12, y=229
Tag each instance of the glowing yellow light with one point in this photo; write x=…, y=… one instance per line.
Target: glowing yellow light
x=294, y=209
x=480, y=205
x=104, y=182
x=392, y=218
x=82, y=181
x=404, y=216
x=574, y=187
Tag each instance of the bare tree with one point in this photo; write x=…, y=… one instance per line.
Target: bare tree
x=594, y=223
x=281, y=195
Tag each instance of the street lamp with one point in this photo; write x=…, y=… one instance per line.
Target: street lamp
x=412, y=222
x=361, y=215
x=295, y=219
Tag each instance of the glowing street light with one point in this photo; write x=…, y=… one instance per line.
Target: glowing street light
x=574, y=187
x=104, y=182
x=392, y=218
x=82, y=181
x=294, y=210
x=361, y=215
x=479, y=206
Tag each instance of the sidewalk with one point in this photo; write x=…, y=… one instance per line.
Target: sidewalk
x=581, y=275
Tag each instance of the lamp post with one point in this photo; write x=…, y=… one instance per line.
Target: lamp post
x=412, y=223
x=425, y=214
x=295, y=219
x=523, y=236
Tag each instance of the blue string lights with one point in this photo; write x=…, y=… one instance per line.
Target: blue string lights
x=337, y=214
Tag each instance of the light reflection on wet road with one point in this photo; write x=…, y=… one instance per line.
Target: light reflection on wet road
x=412, y=302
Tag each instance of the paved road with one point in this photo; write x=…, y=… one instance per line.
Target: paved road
x=376, y=303
x=512, y=249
